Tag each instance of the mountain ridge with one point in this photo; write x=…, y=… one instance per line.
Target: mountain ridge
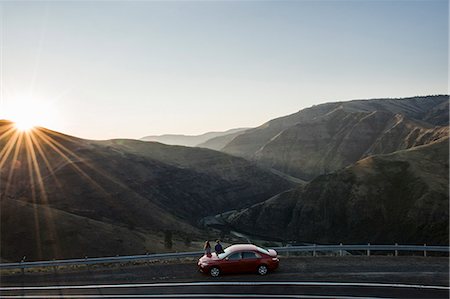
x=190, y=140
x=289, y=143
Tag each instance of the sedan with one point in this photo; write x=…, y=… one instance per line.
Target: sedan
x=239, y=258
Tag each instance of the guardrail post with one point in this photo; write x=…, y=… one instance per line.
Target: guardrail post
x=425, y=250
x=340, y=250
x=314, y=250
x=396, y=250
x=368, y=249
x=22, y=269
x=55, y=268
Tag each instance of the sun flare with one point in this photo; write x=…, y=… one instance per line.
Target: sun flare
x=24, y=125
x=29, y=113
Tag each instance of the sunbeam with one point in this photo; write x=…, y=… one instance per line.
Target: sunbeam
x=25, y=157
x=55, y=146
x=17, y=143
x=6, y=151
x=31, y=176
x=46, y=161
x=32, y=164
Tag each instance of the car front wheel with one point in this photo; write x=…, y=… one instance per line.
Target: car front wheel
x=214, y=271
x=262, y=270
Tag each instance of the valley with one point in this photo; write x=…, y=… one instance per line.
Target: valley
x=355, y=172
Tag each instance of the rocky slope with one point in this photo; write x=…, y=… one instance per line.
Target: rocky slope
x=340, y=139
x=327, y=137
x=131, y=189
x=399, y=197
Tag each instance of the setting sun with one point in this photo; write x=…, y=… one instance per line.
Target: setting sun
x=24, y=125
x=29, y=113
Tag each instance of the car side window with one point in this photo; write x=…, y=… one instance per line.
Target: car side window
x=235, y=256
x=250, y=255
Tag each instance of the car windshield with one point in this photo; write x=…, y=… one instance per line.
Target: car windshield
x=262, y=250
x=224, y=254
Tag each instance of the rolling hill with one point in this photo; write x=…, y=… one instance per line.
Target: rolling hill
x=53, y=185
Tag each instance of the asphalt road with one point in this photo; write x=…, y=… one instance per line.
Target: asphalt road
x=300, y=277
x=231, y=290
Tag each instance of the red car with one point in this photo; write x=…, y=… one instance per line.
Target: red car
x=239, y=258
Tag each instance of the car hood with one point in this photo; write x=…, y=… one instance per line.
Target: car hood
x=272, y=253
x=209, y=258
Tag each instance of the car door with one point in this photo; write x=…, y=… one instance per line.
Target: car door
x=231, y=264
x=250, y=261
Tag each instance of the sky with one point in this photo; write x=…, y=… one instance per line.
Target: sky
x=127, y=69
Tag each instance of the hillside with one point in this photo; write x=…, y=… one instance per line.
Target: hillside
x=327, y=137
x=219, y=142
x=341, y=138
x=399, y=197
x=190, y=140
x=62, y=234
x=118, y=187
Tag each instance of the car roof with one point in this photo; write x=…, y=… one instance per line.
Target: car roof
x=242, y=247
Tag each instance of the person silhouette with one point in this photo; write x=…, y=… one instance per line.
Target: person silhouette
x=218, y=248
x=207, y=248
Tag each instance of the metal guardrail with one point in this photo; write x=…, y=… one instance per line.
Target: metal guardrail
x=147, y=257
x=99, y=260
x=368, y=248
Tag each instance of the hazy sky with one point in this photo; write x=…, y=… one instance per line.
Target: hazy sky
x=130, y=69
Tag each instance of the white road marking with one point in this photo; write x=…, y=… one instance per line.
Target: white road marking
x=195, y=296
x=227, y=283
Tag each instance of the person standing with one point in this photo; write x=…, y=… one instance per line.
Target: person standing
x=218, y=248
x=207, y=248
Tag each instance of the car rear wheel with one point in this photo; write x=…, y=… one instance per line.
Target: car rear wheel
x=262, y=270
x=214, y=271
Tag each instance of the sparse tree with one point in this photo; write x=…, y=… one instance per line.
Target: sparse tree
x=168, y=239
x=187, y=241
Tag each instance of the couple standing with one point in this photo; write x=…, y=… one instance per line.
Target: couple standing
x=218, y=248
